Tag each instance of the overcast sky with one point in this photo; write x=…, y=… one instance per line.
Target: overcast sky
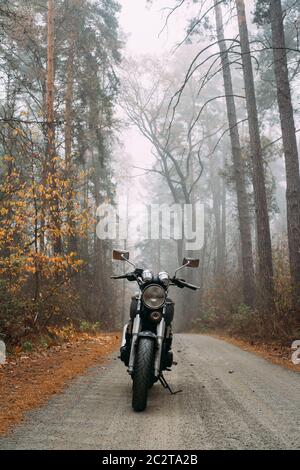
x=142, y=25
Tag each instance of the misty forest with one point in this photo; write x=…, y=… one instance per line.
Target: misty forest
x=85, y=120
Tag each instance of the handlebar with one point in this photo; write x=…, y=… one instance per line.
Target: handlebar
x=128, y=276
x=181, y=283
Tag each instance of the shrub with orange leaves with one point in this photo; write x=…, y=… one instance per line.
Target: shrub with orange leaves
x=38, y=287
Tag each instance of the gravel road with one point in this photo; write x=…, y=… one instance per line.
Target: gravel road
x=231, y=399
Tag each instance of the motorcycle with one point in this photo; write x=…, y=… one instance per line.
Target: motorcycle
x=147, y=337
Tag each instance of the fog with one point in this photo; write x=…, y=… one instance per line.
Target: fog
x=153, y=36
x=136, y=104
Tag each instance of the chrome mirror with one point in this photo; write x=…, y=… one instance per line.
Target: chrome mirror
x=120, y=255
x=191, y=262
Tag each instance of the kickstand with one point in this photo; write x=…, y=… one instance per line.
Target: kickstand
x=166, y=385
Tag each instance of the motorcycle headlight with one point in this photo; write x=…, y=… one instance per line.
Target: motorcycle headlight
x=154, y=296
x=164, y=278
x=147, y=275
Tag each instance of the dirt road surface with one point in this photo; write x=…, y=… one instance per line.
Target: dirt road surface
x=231, y=399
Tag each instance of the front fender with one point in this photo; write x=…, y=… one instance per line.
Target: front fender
x=147, y=334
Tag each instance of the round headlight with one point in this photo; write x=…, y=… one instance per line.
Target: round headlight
x=147, y=275
x=164, y=278
x=154, y=296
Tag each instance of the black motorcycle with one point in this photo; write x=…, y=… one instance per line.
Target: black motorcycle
x=147, y=337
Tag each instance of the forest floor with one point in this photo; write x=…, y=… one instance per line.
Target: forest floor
x=273, y=352
x=28, y=380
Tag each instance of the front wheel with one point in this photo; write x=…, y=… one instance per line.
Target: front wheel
x=143, y=373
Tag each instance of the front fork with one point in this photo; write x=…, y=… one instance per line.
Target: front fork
x=136, y=329
x=160, y=337
x=123, y=342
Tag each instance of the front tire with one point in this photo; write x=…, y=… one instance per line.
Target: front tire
x=143, y=373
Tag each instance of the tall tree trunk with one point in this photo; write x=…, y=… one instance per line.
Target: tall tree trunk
x=51, y=148
x=50, y=80
x=72, y=242
x=223, y=225
x=239, y=169
x=289, y=144
x=98, y=252
x=265, y=266
x=45, y=166
x=214, y=177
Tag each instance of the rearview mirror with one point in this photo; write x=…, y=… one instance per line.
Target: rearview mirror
x=190, y=262
x=120, y=255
